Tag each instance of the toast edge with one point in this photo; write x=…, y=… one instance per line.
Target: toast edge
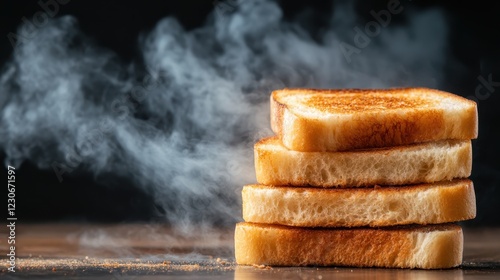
x=434, y=247
x=266, y=163
x=445, y=197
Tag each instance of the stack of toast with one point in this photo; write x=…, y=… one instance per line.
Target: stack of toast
x=365, y=178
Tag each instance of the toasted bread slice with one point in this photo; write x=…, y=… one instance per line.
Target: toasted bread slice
x=428, y=247
x=339, y=120
x=380, y=206
x=417, y=163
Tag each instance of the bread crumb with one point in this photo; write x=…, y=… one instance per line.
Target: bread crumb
x=191, y=267
x=261, y=266
x=221, y=261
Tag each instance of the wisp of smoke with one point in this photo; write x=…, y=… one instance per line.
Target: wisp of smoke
x=181, y=125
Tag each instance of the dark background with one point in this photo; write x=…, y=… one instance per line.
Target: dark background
x=116, y=25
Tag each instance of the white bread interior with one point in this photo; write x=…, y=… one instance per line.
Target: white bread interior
x=434, y=203
x=419, y=163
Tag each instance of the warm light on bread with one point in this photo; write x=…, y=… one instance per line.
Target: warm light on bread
x=361, y=177
x=419, y=163
x=336, y=120
x=381, y=206
x=428, y=247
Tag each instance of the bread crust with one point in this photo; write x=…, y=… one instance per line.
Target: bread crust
x=411, y=164
x=380, y=118
x=428, y=247
x=435, y=203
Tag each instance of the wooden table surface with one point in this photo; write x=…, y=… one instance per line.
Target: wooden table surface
x=136, y=251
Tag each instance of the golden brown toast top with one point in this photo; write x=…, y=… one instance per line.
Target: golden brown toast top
x=348, y=101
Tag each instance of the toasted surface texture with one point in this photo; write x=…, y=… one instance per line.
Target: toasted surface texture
x=418, y=163
x=336, y=120
x=427, y=247
x=381, y=206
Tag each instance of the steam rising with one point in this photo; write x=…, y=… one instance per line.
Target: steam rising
x=181, y=125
